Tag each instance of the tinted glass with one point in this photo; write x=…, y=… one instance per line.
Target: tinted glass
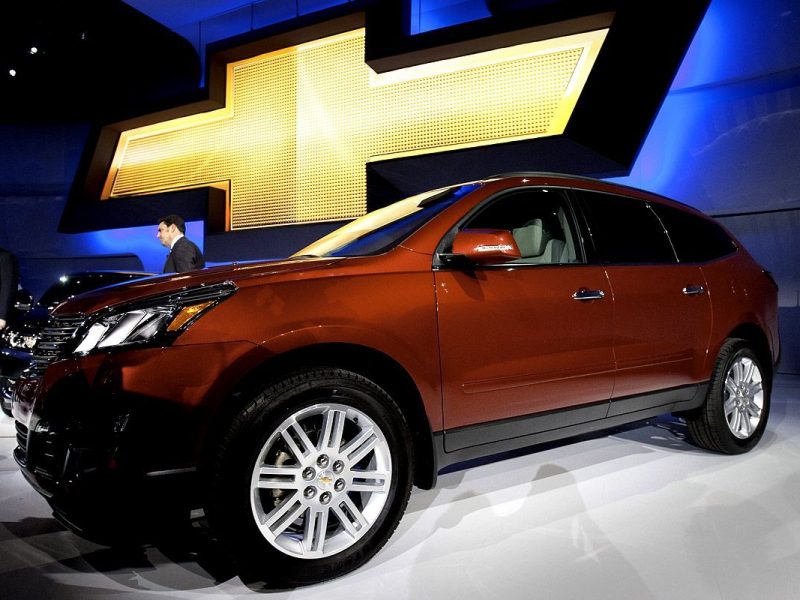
x=625, y=230
x=695, y=239
x=540, y=222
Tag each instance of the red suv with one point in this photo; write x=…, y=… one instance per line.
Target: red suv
x=297, y=401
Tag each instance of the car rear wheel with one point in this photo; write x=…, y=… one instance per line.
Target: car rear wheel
x=736, y=409
x=311, y=478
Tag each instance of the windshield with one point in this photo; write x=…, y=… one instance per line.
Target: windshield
x=382, y=229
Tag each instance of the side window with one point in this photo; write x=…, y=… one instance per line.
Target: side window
x=540, y=222
x=625, y=230
x=695, y=239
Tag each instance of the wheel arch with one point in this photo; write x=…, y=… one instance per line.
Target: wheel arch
x=368, y=362
x=759, y=341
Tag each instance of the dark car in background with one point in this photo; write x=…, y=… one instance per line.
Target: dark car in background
x=19, y=338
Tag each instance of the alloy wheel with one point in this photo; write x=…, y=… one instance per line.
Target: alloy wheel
x=744, y=397
x=321, y=481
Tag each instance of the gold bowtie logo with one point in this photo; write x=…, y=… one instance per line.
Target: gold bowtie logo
x=300, y=123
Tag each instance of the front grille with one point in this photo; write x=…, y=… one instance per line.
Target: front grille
x=54, y=342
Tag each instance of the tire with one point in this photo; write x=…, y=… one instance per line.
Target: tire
x=311, y=478
x=734, y=415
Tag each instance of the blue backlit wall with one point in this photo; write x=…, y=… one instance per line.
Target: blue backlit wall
x=724, y=138
x=140, y=241
x=427, y=15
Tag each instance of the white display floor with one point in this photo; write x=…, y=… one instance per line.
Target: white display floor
x=638, y=514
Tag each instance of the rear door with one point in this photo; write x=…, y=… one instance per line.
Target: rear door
x=662, y=318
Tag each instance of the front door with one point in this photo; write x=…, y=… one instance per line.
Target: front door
x=529, y=337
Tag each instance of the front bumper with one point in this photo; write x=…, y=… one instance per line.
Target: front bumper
x=102, y=461
x=120, y=433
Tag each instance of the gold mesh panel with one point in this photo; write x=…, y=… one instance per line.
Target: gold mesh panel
x=301, y=123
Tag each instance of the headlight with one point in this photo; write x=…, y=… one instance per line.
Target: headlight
x=156, y=320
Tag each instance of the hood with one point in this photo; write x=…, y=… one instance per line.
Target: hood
x=242, y=274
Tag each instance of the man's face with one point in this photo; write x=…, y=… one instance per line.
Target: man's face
x=166, y=234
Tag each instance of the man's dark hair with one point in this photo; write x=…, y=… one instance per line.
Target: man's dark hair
x=174, y=220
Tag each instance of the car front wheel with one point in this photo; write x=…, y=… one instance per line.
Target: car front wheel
x=312, y=477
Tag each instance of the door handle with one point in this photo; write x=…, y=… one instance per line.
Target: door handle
x=693, y=290
x=584, y=295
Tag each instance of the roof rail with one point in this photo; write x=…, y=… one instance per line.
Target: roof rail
x=541, y=174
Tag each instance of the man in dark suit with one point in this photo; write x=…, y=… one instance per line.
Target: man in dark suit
x=184, y=255
x=8, y=285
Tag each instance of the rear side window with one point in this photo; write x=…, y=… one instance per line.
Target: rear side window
x=625, y=230
x=695, y=239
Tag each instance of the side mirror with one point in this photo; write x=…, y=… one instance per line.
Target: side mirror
x=486, y=246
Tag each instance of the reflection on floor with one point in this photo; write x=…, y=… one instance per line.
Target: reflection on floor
x=638, y=514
